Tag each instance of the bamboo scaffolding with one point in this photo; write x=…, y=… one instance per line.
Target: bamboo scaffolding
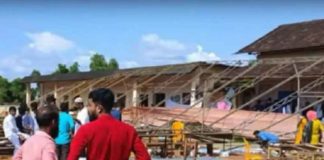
x=189, y=82
x=298, y=112
x=269, y=90
x=287, y=99
x=255, y=81
x=216, y=90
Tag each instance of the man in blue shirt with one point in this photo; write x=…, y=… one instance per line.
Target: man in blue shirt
x=116, y=114
x=266, y=137
x=66, y=126
x=28, y=122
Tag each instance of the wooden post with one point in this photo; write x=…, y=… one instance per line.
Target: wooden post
x=210, y=149
x=56, y=93
x=196, y=150
x=185, y=149
x=28, y=93
x=135, y=95
x=193, y=91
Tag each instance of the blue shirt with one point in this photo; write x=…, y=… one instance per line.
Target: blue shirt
x=27, y=121
x=66, y=126
x=268, y=137
x=116, y=114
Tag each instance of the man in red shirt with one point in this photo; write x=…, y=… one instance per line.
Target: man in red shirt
x=105, y=138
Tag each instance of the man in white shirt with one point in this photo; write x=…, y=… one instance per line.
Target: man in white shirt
x=82, y=116
x=10, y=128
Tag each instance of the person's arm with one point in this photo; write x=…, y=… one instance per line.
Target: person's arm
x=71, y=123
x=79, y=143
x=49, y=152
x=82, y=117
x=139, y=149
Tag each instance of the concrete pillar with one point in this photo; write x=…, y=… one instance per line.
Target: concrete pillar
x=28, y=93
x=193, y=91
x=135, y=95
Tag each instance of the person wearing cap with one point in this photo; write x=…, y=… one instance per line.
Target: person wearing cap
x=82, y=116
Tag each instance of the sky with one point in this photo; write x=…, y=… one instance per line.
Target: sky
x=41, y=34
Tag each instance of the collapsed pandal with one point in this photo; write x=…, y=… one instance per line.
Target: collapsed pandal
x=210, y=82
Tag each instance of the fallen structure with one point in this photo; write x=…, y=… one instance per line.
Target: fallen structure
x=214, y=95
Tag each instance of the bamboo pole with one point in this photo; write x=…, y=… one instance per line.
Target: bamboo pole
x=177, y=90
x=217, y=90
x=299, y=111
x=256, y=80
x=287, y=99
x=269, y=90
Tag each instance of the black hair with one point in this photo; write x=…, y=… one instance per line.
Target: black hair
x=64, y=107
x=50, y=99
x=103, y=96
x=34, y=106
x=256, y=132
x=12, y=108
x=46, y=114
x=22, y=110
x=23, y=105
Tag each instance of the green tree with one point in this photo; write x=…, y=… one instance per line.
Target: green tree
x=74, y=68
x=61, y=69
x=98, y=63
x=17, y=89
x=35, y=73
x=113, y=64
x=5, y=94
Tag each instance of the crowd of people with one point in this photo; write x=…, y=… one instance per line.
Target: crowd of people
x=50, y=132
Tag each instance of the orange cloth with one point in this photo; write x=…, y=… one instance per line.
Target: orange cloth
x=177, y=128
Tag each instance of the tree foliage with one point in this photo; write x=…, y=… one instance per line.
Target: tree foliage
x=61, y=68
x=99, y=63
x=11, y=91
x=35, y=73
x=74, y=68
x=14, y=91
x=113, y=64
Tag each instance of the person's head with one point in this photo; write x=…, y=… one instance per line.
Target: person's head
x=64, y=107
x=100, y=101
x=47, y=119
x=255, y=133
x=78, y=101
x=269, y=100
x=50, y=100
x=12, y=110
x=22, y=110
x=311, y=115
x=27, y=110
x=34, y=106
